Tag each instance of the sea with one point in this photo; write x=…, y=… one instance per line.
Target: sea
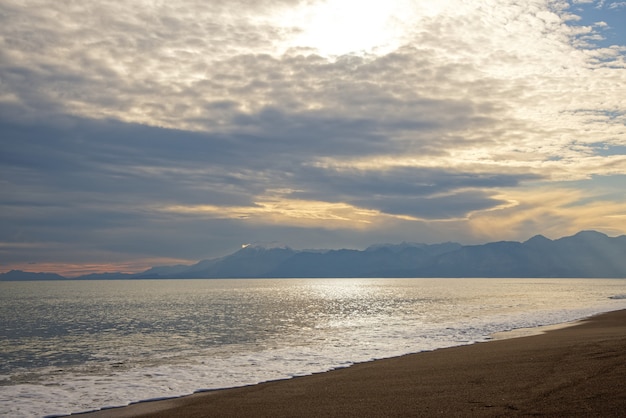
x=75, y=346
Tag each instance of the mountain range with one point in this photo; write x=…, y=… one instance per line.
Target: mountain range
x=588, y=254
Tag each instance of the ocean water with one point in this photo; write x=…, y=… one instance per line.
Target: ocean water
x=72, y=346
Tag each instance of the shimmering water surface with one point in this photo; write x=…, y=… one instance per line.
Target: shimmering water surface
x=72, y=346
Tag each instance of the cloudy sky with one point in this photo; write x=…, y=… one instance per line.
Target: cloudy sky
x=150, y=132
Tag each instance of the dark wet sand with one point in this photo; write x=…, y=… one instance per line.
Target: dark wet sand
x=575, y=371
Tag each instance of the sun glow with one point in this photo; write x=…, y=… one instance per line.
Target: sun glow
x=286, y=211
x=338, y=27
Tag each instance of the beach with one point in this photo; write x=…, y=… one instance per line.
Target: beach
x=572, y=371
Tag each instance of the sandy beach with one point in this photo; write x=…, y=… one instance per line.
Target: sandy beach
x=573, y=371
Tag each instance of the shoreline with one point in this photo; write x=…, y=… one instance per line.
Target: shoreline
x=539, y=330
x=578, y=369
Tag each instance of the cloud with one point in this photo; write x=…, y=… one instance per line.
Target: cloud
x=557, y=210
x=418, y=193
x=158, y=129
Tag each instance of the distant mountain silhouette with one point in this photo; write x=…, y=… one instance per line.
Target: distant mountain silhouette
x=251, y=261
x=586, y=254
x=376, y=261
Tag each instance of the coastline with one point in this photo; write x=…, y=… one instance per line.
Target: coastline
x=575, y=370
x=529, y=332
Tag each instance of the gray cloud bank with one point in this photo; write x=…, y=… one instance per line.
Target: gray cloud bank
x=103, y=182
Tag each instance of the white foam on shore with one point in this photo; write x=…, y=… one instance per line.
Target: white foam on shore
x=73, y=393
x=529, y=332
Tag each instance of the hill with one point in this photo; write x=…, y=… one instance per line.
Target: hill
x=587, y=254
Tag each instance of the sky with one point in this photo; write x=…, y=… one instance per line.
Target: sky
x=148, y=132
